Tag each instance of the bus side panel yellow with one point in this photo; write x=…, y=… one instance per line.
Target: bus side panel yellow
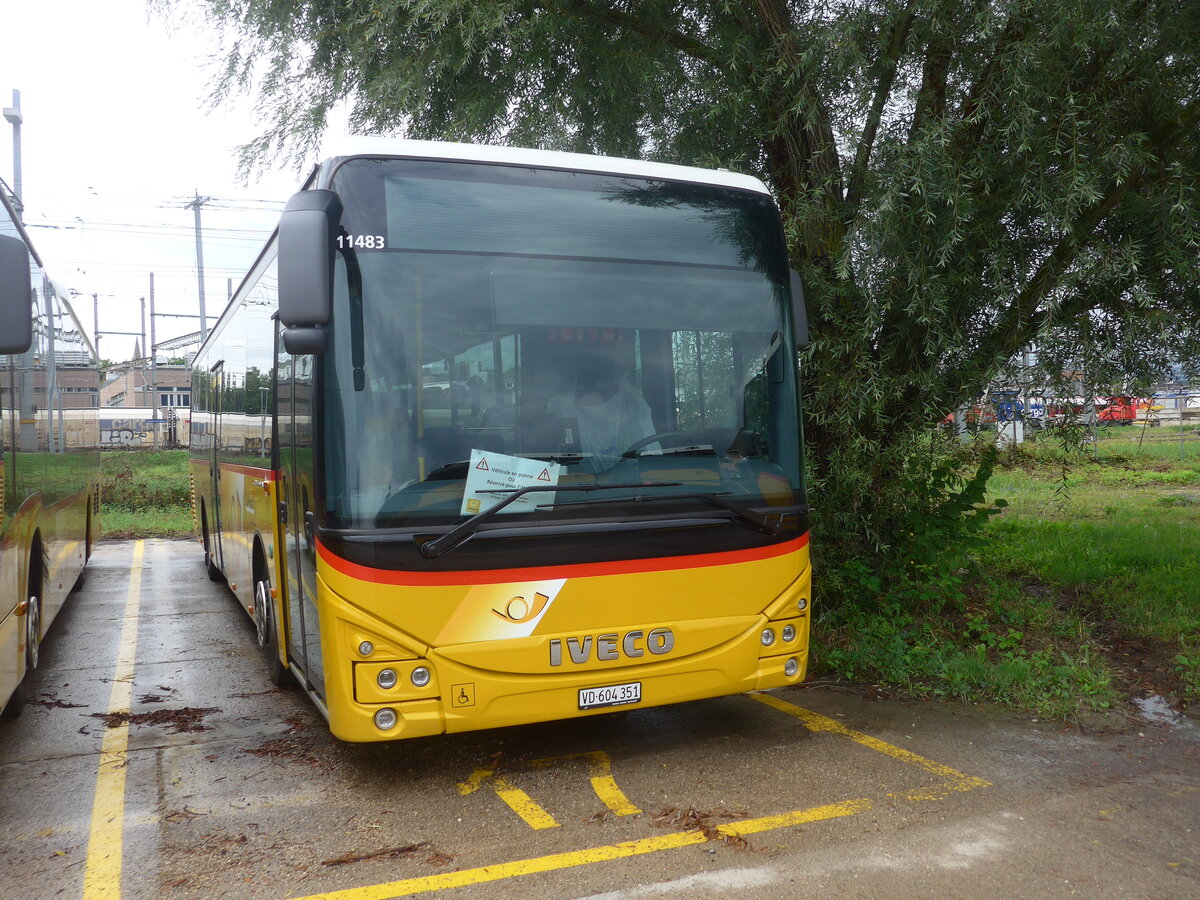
x=247, y=511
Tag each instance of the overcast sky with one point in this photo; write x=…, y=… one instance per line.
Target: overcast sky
x=116, y=140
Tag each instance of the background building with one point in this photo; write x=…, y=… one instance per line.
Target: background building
x=135, y=384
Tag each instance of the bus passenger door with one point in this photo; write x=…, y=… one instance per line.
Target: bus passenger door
x=217, y=382
x=297, y=516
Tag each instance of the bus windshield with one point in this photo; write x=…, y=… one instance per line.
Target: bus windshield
x=604, y=330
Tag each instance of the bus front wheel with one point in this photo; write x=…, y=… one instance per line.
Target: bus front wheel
x=266, y=633
x=214, y=574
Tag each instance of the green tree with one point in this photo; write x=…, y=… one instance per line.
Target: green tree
x=958, y=178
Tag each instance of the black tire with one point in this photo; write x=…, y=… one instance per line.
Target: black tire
x=266, y=633
x=33, y=634
x=81, y=578
x=214, y=574
x=16, y=703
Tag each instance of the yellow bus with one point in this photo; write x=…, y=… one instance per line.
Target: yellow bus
x=491, y=436
x=49, y=460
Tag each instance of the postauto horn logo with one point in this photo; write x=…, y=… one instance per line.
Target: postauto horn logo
x=496, y=612
x=518, y=610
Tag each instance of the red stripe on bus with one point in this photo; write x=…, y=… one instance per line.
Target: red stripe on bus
x=579, y=570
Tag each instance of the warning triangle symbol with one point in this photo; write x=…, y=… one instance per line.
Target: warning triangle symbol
x=545, y=476
x=482, y=464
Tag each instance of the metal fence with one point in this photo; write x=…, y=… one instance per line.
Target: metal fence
x=1156, y=425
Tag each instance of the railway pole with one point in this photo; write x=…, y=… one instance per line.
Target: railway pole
x=195, y=206
x=96, y=323
x=153, y=368
x=12, y=114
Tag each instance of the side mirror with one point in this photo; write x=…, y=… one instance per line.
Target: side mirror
x=308, y=230
x=299, y=341
x=16, y=297
x=799, y=312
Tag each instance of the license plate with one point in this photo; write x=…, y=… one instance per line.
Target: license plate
x=613, y=695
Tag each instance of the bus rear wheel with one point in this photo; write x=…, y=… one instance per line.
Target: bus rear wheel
x=33, y=634
x=33, y=627
x=16, y=703
x=266, y=633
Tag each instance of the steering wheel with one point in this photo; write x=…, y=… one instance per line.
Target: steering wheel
x=632, y=451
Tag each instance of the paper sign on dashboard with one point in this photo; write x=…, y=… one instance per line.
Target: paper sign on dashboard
x=490, y=471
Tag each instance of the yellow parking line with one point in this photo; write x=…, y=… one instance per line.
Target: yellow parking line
x=102, y=876
x=518, y=801
x=612, y=796
x=798, y=817
x=600, y=773
x=574, y=858
x=523, y=805
x=816, y=722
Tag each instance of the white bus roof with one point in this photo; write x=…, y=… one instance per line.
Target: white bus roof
x=608, y=165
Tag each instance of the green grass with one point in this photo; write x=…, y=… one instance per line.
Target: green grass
x=1091, y=568
x=1120, y=536
x=1122, y=532
x=997, y=642
x=145, y=493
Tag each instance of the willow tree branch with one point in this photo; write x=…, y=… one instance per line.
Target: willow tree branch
x=862, y=158
x=1016, y=326
x=650, y=29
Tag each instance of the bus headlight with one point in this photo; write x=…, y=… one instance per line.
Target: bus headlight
x=386, y=719
x=802, y=604
x=791, y=667
x=366, y=648
x=767, y=637
x=789, y=633
x=387, y=679
x=420, y=676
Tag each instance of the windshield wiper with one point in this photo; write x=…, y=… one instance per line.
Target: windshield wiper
x=755, y=520
x=440, y=546
x=354, y=285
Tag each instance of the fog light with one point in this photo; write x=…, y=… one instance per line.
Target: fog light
x=366, y=648
x=386, y=679
x=789, y=633
x=386, y=719
x=420, y=676
x=802, y=604
x=791, y=667
x=767, y=637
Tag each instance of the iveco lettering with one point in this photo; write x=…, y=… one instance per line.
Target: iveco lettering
x=613, y=646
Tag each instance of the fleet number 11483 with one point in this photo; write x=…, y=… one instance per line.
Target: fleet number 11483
x=361, y=242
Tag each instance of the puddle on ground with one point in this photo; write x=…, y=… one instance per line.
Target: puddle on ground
x=1156, y=710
